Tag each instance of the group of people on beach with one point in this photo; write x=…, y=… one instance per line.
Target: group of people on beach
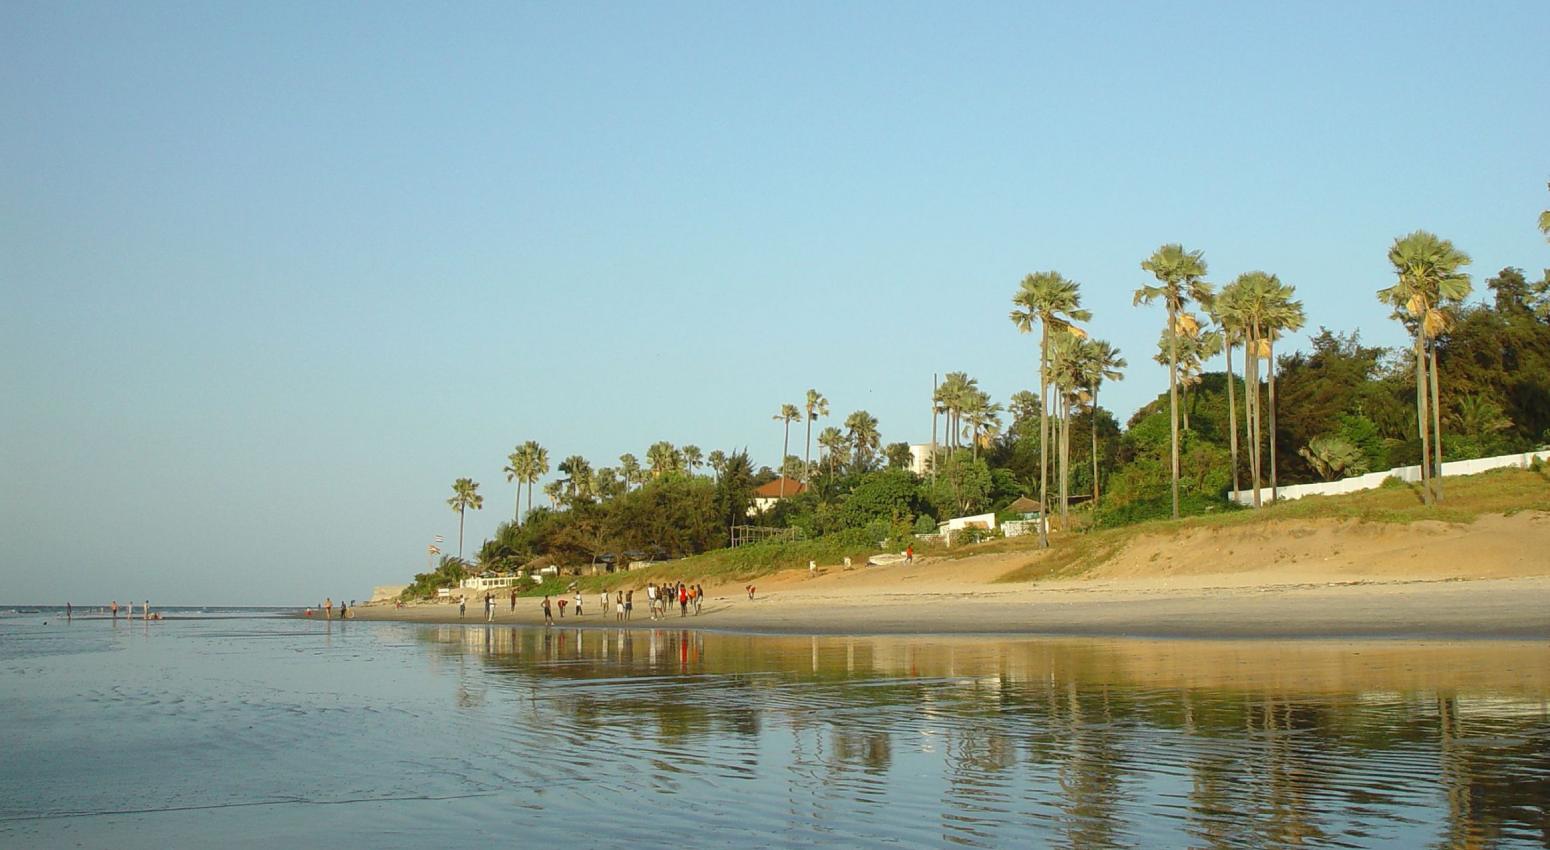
x=659, y=597
x=129, y=612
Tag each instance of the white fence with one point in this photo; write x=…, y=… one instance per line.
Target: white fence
x=1405, y=473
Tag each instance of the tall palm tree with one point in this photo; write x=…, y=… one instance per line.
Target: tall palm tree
x=718, y=462
x=693, y=458
x=1224, y=312
x=861, y=433
x=982, y=419
x=1065, y=378
x=956, y=390
x=465, y=497
x=1054, y=303
x=832, y=441
x=1429, y=271
x=513, y=470
x=1102, y=362
x=555, y=490
x=788, y=414
x=1256, y=296
x=629, y=469
x=535, y=460
x=817, y=406
x=1181, y=279
x=1286, y=316
x=578, y=477
x=1023, y=405
x=662, y=458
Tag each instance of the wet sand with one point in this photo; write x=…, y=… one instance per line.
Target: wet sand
x=1487, y=608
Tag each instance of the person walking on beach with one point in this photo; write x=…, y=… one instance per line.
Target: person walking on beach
x=489, y=607
x=328, y=608
x=619, y=606
x=651, y=598
x=462, y=606
x=548, y=617
x=909, y=554
x=115, y=609
x=683, y=599
x=578, y=603
x=602, y=602
x=699, y=598
x=562, y=607
x=629, y=603
x=513, y=600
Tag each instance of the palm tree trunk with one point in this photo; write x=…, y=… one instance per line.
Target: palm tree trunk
x=780, y=468
x=807, y=453
x=1173, y=402
x=1251, y=393
x=1436, y=427
x=1271, y=370
x=530, y=496
x=1095, y=447
x=1422, y=419
x=1043, y=435
x=1232, y=420
x=516, y=511
x=460, y=513
x=1065, y=466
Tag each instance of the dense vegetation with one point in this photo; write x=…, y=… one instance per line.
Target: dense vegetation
x=1476, y=382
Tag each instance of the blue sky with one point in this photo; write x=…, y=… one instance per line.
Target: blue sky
x=273, y=275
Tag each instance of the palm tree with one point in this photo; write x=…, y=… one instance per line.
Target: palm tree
x=1224, y=312
x=513, y=470
x=693, y=458
x=535, y=465
x=465, y=496
x=1180, y=275
x=1429, y=272
x=1054, y=303
x=956, y=391
x=982, y=419
x=629, y=469
x=662, y=458
x=1334, y=457
x=1023, y=405
x=578, y=477
x=1065, y=379
x=832, y=441
x=1544, y=220
x=555, y=490
x=787, y=415
x=1101, y=362
x=861, y=433
x=1258, y=302
x=817, y=406
x=1286, y=316
x=718, y=462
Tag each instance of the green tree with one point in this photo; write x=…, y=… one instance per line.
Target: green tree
x=835, y=446
x=862, y=435
x=535, y=465
x=817, y=406
x=1429, y=272
x=1023, y=405
x=1101, y=362
x=788, y=414
x=513, y=470
x=1225, y=312
x=1181, y=279
x=578, y=478
x=898, y=455
x=662, y=458
x=693, y=458
x=1334, y=457
x=718, y=462
x=629, y=469
x=1055, y=304
x=465, y=497
x=955, y=392
x=1544, y=220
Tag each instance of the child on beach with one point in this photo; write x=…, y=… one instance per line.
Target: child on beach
x=619, y=606
x=462, y=606
x=578, y=603
x=563, y=600
x=629, y=603
x=548, y=620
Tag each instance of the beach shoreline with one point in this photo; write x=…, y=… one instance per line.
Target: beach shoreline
x=1489, y=609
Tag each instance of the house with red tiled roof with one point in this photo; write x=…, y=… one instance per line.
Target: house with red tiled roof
x=766, y=495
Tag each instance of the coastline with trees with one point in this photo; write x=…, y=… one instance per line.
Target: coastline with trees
x=1474, y=382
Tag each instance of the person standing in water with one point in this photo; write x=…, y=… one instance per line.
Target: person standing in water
x=578, y=603
x=328, y=608
x=115, y=609
x=145, y=610
x=548, y=616
x=69, y=612
x=513, y=600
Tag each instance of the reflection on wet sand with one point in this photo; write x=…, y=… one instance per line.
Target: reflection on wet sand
x=1080, y=743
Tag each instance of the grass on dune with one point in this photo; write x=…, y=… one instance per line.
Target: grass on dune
x=1466, y=498
x=1503, y=491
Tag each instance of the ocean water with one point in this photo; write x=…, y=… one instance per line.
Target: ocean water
x=235, y=729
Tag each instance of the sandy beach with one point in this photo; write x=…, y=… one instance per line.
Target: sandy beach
x=1489, y=579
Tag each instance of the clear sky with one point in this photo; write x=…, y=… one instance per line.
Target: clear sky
x=273, y=275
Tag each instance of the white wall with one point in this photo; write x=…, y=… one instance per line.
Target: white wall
x=1405, y=473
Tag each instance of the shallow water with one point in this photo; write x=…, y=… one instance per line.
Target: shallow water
x=252, y=732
